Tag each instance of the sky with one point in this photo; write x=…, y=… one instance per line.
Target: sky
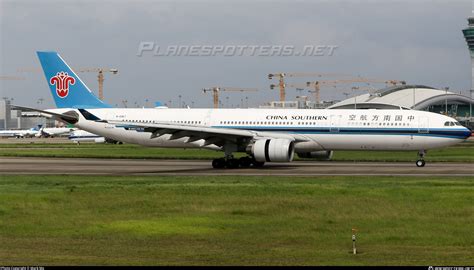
x=413, y=40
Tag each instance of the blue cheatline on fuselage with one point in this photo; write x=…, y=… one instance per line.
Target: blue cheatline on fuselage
x=432, y=132
x=84, y=137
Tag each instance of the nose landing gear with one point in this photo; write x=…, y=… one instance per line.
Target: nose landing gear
x=421, y=162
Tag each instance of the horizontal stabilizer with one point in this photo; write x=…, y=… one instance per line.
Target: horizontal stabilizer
x=70, y=117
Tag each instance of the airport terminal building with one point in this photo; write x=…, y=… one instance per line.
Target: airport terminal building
x=417, y=97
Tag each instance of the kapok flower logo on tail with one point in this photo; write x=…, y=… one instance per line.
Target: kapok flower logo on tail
x=62, y=81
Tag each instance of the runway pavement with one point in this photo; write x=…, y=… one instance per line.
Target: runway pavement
x=84, y=166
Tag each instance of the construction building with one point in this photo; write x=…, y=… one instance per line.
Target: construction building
x=15, y=119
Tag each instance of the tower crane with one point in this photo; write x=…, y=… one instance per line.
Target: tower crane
x=281, y=81
x=100, y=77
x=215, y=92
x=281, y=84
x=317, y=84
x=317, y=87
x=12, y=78
x=387, y=82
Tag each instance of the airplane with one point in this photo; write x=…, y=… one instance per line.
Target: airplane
x=37, y=131
x=79, y=136
x=21, y=133
x=266, y=135
x=53, y=132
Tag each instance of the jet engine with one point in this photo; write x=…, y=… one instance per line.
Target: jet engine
x=99, y=140
x=273, y=150
x=318, y=155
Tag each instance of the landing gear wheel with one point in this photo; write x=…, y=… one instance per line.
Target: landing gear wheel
x=420, y=163
x=258, y=164
x=232, y=163
x=245, y=162
x=218, y=163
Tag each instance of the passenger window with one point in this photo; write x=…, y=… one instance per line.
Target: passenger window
x=446, y=124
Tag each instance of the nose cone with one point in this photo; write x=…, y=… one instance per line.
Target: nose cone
x=467, y=133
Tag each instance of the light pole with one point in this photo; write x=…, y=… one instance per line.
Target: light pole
x=470, y=106
x=355, y=96
x=446, y=99
x=179, y=102
x=300, y=91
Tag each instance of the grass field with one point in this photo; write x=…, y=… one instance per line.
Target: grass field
x=48, y=220
x=460, y=153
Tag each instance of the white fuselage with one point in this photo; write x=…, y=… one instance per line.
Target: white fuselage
x=51, y=132
x=19, y=133
x=85, y=136
x=316, y=129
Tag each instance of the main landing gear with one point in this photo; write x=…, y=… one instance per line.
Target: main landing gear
x=421, y=161
x=233, y=163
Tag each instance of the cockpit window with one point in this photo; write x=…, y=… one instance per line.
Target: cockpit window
x=451, y=124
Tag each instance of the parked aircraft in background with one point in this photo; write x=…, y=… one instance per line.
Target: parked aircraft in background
x=37, y=131
x=79, y=136
x=54, y=132
x=21, y=133
x=267, y=135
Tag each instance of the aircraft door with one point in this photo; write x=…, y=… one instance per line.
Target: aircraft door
x=423, y=124
x=207, y=118
x=335, y=123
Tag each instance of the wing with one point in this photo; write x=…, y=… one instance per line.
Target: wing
x=211, y=135
x=216, y=136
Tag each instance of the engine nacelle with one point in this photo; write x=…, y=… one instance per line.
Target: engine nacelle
x=318, y=155
x=99, y=140
x=273, y=150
